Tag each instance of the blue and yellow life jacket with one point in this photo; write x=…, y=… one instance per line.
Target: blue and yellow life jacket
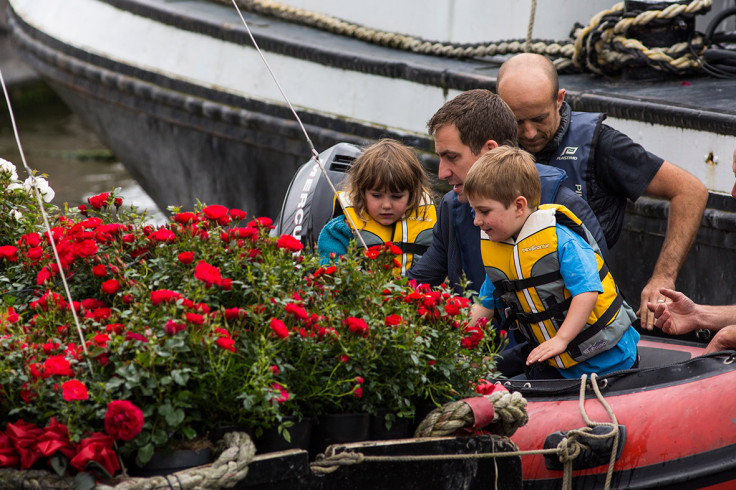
x=526, y=276
x=412, y=234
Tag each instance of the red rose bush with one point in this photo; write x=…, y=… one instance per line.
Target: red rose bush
x=172, y=330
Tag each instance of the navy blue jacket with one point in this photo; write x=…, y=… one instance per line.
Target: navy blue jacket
x=455, y=246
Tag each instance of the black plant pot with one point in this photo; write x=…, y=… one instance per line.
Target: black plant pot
x=300, y=434
x=339, y=428
x=399, y=428
x=165, y=464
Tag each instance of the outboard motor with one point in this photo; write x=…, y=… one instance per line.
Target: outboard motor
x=307, y=206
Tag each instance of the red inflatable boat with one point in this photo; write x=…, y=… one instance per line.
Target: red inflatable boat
x=676, y=415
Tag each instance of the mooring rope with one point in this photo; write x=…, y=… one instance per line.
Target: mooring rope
x=600, y=47
x=315, y=153
x=44, y=215
x=452, y=417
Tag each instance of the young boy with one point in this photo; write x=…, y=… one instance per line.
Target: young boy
x=544, y=269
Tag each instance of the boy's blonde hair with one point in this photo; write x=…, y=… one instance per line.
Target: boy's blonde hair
x=387, y=164
x=503, y=174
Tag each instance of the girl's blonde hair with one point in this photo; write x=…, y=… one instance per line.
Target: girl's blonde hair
x=390, y=165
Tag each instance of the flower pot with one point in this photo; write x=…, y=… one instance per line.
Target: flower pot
x=181, y=459
x=339, y=428
x=300, y=434
x=379, y=432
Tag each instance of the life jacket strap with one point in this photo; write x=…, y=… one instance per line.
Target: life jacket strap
x=514, y=285
x=411, y=248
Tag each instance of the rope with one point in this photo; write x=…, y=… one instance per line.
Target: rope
x=226, y=471
x=314, y=152
x=509, y=413
x=529, y=30
x=600, y=47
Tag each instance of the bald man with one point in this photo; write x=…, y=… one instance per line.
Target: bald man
x=603, y=165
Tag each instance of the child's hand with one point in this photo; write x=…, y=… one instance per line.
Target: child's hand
x=545, y=350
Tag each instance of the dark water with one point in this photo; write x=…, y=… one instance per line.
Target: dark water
x=57, y=143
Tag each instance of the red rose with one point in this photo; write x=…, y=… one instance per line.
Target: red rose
x=123, y=420
x=99, y=201
x=164, y=296
x=226, y=343
x=185, y=218
x=85, y=248
x=162, y=235
x=296, y=310
x=111, y=286
x=207, y=273
x=9, y=252
x=288, y=242
x=98, y=448
x=279, y=328
x=215, y=212
x=57, y=366
x=186, y=257
x=282, y=395
x=74, y=390
x=393, y=320
x=237, y=214
x=99, y=270
x=358, y=391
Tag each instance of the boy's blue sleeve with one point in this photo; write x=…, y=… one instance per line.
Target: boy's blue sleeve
x=334, y=238
x=578, y=265
x=486, y=295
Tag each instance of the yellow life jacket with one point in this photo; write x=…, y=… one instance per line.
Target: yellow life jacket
x=412, y=233
x=526, y=276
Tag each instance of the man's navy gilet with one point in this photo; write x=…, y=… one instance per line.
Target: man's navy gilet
x=576, y=151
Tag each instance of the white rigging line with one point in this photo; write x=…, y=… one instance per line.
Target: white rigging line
x=315, y=154
x=45, y=220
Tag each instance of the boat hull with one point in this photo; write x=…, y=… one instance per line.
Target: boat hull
x=201, y=119
x=678, y=419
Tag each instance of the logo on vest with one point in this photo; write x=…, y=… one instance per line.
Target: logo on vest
x=568, y=153
x=535, y=247
x=597, y=346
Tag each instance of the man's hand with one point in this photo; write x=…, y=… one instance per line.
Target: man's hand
x=651, y=294
x=677, y=316
x=545, y=350
x=724, y=339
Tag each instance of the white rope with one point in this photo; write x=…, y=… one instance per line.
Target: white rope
x=529, y=30
x=315, y=154
x=37, y=194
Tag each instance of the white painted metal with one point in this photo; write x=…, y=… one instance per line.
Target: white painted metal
x=373, y=100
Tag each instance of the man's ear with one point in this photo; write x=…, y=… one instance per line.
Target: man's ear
x=489, y=145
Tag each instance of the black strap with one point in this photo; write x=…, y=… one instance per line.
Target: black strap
x=514, y=285
x=411, y=248
x=552, y=311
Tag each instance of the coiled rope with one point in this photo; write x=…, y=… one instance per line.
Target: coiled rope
x=567, y=450
x=601, y=47
x=509, y=413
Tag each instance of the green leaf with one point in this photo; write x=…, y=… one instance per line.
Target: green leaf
x=59, y=463
x=84, y=481
x=144, y=455
x=180, y=377
x=160, y=437
x=189, y=433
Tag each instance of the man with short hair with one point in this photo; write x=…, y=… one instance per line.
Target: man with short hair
x=465, y=128
x=603, y=165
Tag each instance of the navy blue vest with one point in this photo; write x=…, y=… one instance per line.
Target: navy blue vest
x=576, y=151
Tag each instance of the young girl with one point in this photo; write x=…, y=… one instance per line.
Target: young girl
x=387, y=196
